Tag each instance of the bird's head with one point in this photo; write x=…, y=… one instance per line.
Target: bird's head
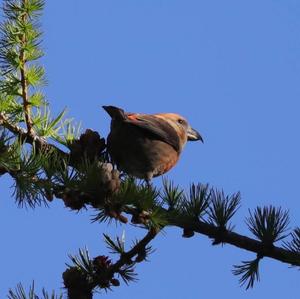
x=182, y=127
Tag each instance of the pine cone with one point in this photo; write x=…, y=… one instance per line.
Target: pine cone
x=77, y=284
x=100, y=184
x=74, y=278
x=101, y=262
x=110, y=178
x=73, y=199
x=108, y=183
x=89, y=145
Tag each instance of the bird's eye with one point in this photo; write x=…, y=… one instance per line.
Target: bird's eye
x=180, y=121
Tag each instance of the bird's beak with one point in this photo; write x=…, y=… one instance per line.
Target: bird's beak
x=194, y=135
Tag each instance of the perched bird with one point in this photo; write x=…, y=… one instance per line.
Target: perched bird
x=147, y=145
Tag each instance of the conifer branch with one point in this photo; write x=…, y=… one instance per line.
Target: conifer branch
x=140, y=246
x=87, y=275
x=36, y=141
x=213, y=232
x=24, y=83
x=240, y=241
x=17, y=130
x=229, y=237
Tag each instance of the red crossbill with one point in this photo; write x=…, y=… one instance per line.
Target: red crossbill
x=147, y=145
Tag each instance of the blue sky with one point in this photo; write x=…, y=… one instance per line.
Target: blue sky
x=233, y=69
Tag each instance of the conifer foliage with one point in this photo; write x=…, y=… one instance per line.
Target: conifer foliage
x=49, y=159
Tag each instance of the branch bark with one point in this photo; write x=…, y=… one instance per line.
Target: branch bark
x=229, y=237
x=24, y=83
x=35, y=140
x=240, y=241
x=134, y=251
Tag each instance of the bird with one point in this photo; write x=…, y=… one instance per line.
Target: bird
x=147, y=145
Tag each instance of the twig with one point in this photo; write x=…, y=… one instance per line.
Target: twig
x=239, y=241
x=24, y=136
x=229, y=237
x=134, y=251
x=24, y=83
x=80, y=286
x=22, y=133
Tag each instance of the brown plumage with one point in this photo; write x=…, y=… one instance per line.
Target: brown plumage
x=147, y=145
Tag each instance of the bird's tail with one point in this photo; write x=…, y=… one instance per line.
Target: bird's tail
x=115, y=112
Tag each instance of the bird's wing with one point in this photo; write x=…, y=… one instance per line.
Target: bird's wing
x=156, y=126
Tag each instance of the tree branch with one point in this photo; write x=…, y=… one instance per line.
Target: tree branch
x=141, y=245
x=15, y=129
x=24, y=83
x=222, y=236
x=210, y=230
x=81, y=280
x=239, y=241
x=24, y=135
x=203, y=228
x=229, y=237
